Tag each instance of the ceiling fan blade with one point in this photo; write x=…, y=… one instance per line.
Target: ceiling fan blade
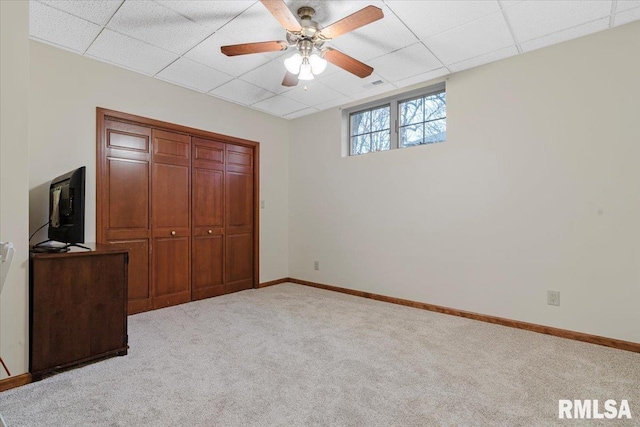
x=260, y=47
x=356, y=20
x=347, y=63
x=290, y=80
x=281, y=12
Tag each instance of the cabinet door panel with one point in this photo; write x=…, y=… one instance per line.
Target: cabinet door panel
x=78, y=307
x=107, y=299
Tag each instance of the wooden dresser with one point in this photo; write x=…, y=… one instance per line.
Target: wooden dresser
x=77, y=307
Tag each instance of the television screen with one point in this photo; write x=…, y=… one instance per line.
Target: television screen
x=66, y=207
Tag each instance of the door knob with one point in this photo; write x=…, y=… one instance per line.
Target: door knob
x=209, y=231
x=173, y=233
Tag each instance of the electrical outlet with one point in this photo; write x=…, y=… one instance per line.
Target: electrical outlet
x=316, y=265
x=553, y=297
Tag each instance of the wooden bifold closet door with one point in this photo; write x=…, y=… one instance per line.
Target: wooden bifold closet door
x=208, y=218
x=171, y=218
x=183, y=203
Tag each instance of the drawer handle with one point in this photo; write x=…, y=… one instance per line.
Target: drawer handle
x=173, y=233
x=209, y=231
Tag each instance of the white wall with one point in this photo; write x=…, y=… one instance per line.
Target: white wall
x=14, y=176
x=536, y=188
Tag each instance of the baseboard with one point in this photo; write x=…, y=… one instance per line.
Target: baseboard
x=16, y=381
x=274, y=282
x=562, y=333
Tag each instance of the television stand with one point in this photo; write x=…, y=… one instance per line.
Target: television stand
x=78, y=307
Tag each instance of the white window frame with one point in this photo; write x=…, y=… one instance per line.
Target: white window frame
x=393, y=102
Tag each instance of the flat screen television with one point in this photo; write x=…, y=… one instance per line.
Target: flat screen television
x=66, y=207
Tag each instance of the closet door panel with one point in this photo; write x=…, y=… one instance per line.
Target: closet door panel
x=207, y=267
x=171, y=148
x=208, y=218
x=171, y=271
x=239, y=262
x=239, y=201
x=170, y=195
x=123, y=202
x=171, y=218
x=207, y=198
x=239, y=218
x=128, y=193
x=138, y=286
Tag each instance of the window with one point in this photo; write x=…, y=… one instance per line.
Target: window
x=419, y=118
x=370, y=130
x=423, y=120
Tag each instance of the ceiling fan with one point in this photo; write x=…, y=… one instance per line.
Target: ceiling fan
x=309, y=39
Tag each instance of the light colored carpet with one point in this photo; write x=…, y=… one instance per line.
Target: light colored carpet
x=291, y=355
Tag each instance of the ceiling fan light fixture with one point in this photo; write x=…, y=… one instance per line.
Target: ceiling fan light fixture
x=318, y=64
x=293, y=63
x=305, y=71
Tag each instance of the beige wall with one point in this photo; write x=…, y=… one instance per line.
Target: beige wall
x=536, y=188
x=65, y=90
x=14, y=177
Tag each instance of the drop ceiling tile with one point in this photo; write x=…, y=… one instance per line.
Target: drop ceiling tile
x=627, y=16
x=158, y=25
x=268, y=76
x=256, y=24
x=210, y=14
x=96, y=11
x=300, y=113
x=129, y=53
x=623, y=5
x=60, y=28
x=407, y=62
x=509, y=3
x=533, y=19
x=351, y=85
x=328, y=12
x=484, y=59
x=311, y=93
x=375, y=39
x=279, y=106
x=241, y=92
x=339, y=102
x=208, y=53
x=190, y=74
x=468, y=41
x=420, y=78
x=568, y=34
x=427, y=18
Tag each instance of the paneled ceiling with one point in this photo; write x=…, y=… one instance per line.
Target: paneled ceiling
x=179, y=41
